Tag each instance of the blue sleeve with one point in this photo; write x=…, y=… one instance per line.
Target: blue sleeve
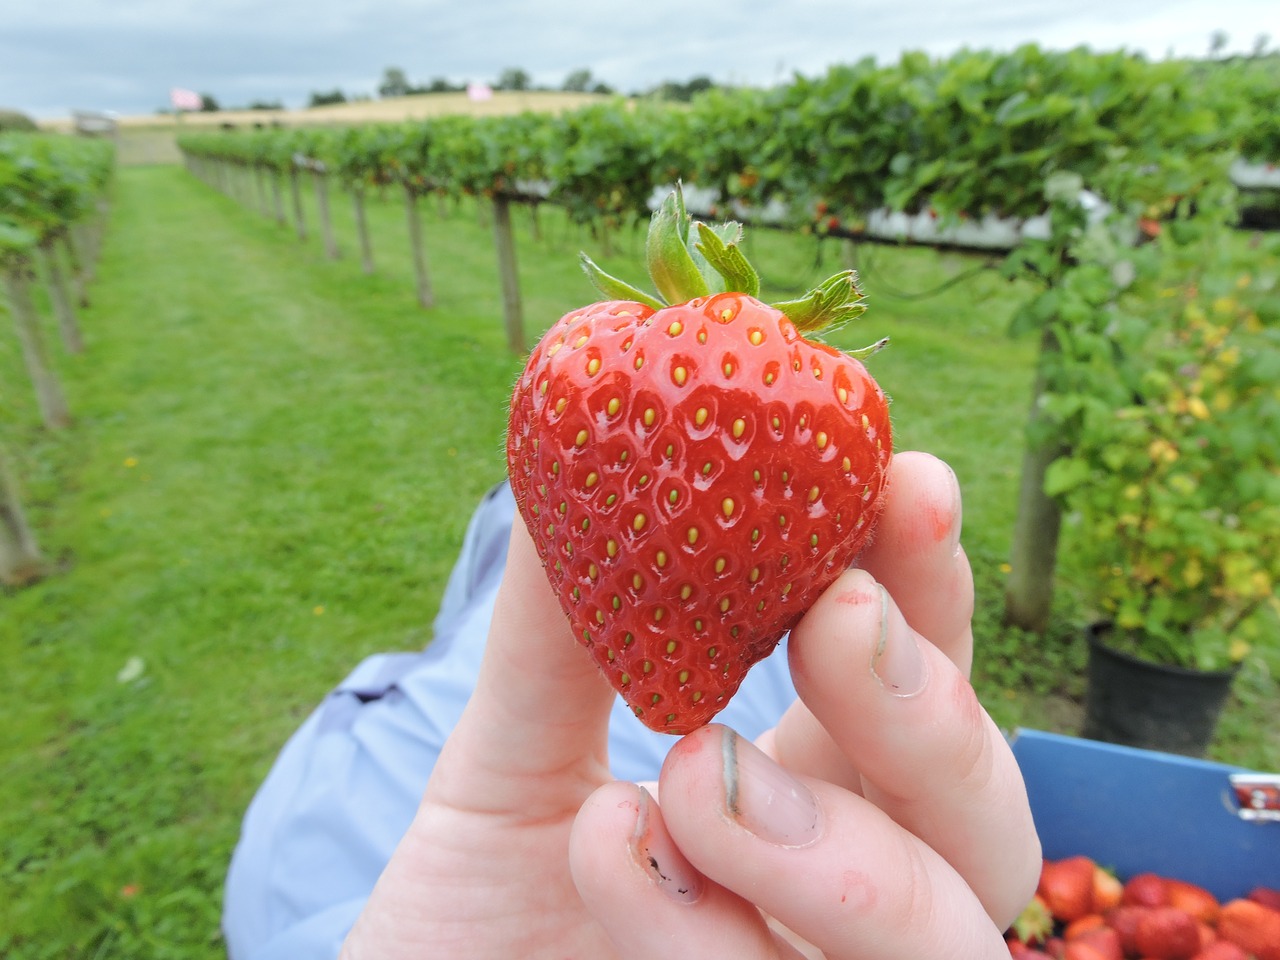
x=346, y=785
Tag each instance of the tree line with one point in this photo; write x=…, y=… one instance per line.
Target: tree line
x=396, y=83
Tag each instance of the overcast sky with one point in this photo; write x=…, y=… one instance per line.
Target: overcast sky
x=124, y=55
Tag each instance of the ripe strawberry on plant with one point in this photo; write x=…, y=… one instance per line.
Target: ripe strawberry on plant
x=694, y=475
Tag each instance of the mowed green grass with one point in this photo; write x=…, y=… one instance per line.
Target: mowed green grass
x=271, y=471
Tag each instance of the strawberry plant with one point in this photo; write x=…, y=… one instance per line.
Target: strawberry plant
x=1173, y=481
x=692, y=470
x=599, y=161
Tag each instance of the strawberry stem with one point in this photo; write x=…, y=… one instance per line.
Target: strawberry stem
x=871, y=350
x=616, y=289
x=671, y=266
x=835, y=301
x=689, y=259
x=720, y=250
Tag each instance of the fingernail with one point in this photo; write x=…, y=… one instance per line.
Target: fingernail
x=766, y=799
x=657, y=854
x=897, y=661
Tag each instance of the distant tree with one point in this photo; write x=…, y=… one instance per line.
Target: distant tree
x=581, y=81
x=578, y=81
x=325, y=99
x=265, y=105
x=15, y=120
x=394, y=83
x=1218, y=41
x=1260, y=44
x=698, y=85
x=682, y=92
x=208, y=104
x=513, y=78
x=441, y=85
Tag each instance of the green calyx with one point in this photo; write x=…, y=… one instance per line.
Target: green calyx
x=688, y=259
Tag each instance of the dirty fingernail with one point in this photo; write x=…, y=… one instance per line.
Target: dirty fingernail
x=656, y=853
x=766, y=799
x=898, y=663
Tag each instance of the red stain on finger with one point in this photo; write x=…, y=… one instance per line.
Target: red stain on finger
x=857, y=598
x=858, y=892
x=939, y=521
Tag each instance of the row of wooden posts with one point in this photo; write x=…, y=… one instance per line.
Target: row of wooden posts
x=264, y=189
x=66, y=259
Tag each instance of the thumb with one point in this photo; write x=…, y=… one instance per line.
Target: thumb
x=540, y=707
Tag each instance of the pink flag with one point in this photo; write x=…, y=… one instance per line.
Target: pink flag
x=185, y=99
x=479, y=91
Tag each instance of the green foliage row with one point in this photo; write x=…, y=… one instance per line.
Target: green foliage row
x=975, y=133
x=46, y=184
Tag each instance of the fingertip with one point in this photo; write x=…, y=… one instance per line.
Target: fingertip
x=922, y=511
x=916, y=554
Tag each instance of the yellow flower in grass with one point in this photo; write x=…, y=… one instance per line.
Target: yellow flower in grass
x=1225, y=305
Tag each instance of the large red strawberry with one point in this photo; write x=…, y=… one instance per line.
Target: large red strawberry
x=695, y=475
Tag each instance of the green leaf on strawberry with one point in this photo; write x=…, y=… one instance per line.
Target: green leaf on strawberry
x=692, y=470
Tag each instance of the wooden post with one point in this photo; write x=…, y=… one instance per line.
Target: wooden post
x=512, y=312
x=79, y=273
x=300, y=221
x=322, y=203
x=20, y=559
x=425, y=295
x=53, y=405
x=535, y=222
x=61, y=299
x=362, y=229
x=260, y=188
x=1034, y=551
x=277, y=198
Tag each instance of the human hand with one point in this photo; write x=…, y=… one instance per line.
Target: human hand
x=883, y=817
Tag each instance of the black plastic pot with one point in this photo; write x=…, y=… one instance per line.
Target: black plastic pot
x=1151, y=705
